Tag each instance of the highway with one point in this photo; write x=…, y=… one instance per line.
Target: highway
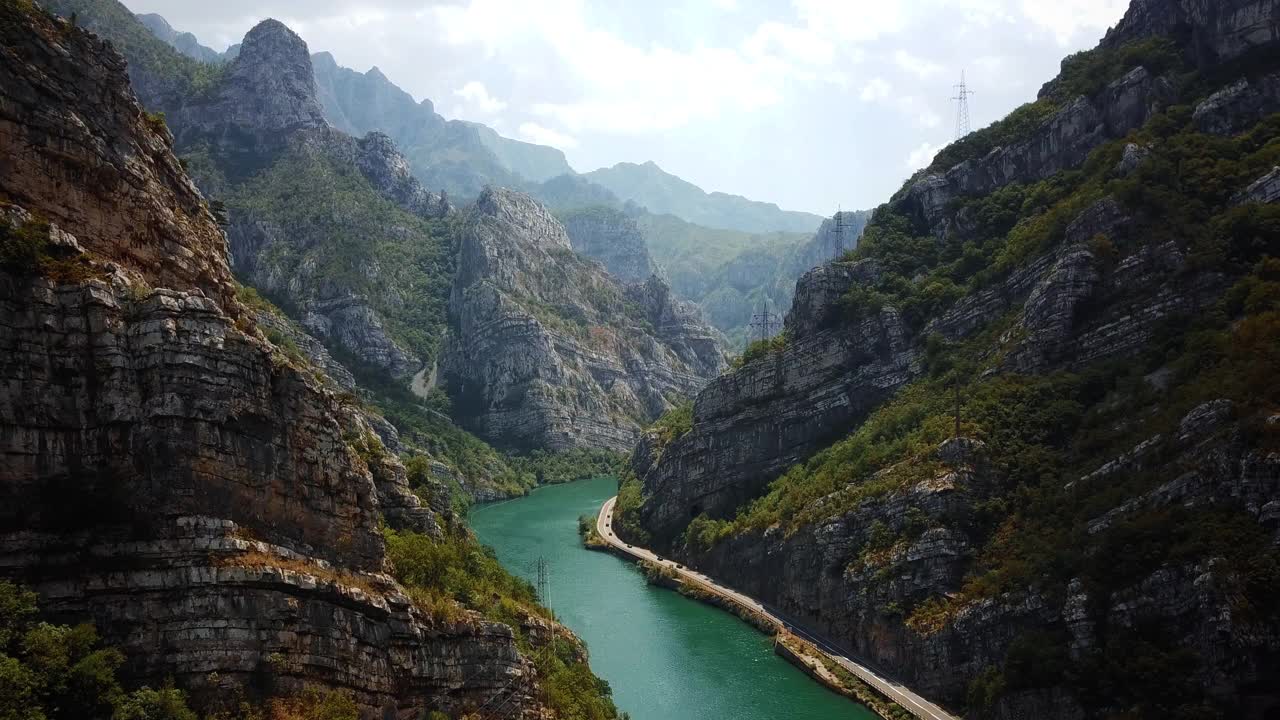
x=896, y=691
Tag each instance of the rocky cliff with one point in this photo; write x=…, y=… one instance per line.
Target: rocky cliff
x=613, y=238
x=166, y=471
x=546, y=349
x=1016, y=450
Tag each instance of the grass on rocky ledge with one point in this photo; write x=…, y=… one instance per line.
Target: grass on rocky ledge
x=456, y=569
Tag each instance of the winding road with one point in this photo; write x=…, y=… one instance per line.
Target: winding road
x=896, y=691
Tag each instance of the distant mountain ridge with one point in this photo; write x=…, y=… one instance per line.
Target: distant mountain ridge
x=663, y=193
x=462, y=157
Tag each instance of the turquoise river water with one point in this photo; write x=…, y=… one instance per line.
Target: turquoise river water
x=666, y=656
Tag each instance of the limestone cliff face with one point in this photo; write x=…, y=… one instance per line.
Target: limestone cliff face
x=614, y=239
x=752, y=423
x=268, y=92
x=166, y=471
x=547, y=350
x=1221, y=30
x=1063, y=142
x=128, y=198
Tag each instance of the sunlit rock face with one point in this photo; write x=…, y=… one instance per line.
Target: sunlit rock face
x=547, y=349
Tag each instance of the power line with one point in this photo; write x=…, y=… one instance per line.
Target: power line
x=963, y=93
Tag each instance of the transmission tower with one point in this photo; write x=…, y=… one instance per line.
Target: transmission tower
x=963, y=93
x=765, y=324
x=544, y=582
x=840, y=227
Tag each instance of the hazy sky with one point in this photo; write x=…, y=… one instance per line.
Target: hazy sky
x=806, y=103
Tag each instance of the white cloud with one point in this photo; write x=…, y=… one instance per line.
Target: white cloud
x=918, y=66
x=1065, y=18
x=536, y=133
x=921, y=156
x=626, y=81
x=877, y=89
x=476, y=97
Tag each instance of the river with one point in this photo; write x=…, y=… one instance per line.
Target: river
x=666, y=656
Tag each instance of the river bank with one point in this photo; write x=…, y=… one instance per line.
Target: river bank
x=666, y=656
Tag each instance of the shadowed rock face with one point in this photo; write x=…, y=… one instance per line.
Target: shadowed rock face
x=548, y=350
x=1219, y=30
x=164, y=470
x=753, y=423
x=613, y=238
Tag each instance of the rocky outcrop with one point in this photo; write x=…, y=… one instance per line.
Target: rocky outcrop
x=1239, y=106
x=1220, y=30
x=546, y=350
x=387, y=170
x=108, y=171
x=752, y=423
x=330, y=311
x=167, y=472
x=679, y=325
x=614, y=239
x=276, y=326
x=269, y=91
x=294, y=261
x=1062, y=142
x=1265, y=189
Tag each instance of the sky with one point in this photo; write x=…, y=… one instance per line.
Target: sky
x=811, y=104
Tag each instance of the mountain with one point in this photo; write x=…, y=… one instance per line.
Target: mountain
x=337, y=232
x=733, y=275
x=1020, y=447
x=535, y=163
x=183, y=42
x=462, y=157
x=333, y=229
x=182, y=477
x=444, y=154
x=663, y=193
x=549, y=350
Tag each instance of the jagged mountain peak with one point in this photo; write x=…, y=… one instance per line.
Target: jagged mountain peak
x=269, y=91
x=275, y=59
x=530, y=221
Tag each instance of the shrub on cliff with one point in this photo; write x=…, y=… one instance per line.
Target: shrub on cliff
x=51, y=672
